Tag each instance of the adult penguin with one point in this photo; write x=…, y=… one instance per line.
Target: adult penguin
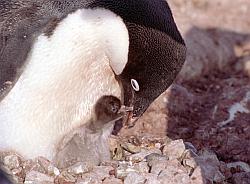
x=57, y=57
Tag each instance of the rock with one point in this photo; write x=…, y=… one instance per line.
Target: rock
x=210, y=166
x=102, y=172
x=135, y=178
x=157, y=162
x=112, y=180
x=188, y=160
x=241, y=178
x=88, y=180
x=19, y=174
x=124, y=168
x=41, y=165
x=197, y=176
x=155, y=158
x=27, y=165
x=96, y=176
x=174, y=149
x=131, y=148
x=225, y=170
x=79, y=168
x=190, y=146
x=142, y=167
x=158, y=167
x=12, y=161
x=138, y=157
x=199, y=62
x=117, y=152
x=65, y=178
x=53, y=171
x=35, y=177
x=242, y=165
x=112, y=163
x=152, y=179
x=174, y=174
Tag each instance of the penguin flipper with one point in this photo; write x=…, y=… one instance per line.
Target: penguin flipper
x=17, y=34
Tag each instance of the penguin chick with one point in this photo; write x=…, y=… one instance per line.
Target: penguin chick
x=106, y=110
x=89, y=143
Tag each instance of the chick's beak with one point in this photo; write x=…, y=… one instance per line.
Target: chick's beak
x=128, y=119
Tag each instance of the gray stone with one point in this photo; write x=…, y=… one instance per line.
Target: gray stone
x=241, y=178
x=210, y=166
x=138, y=157
x=97, y=175
x=12, y=161
x=65, y=177
x=88, y=180
x=35, y=177
x=117, y=151
x=142, y=167
x=39, y=164
x=197, y=176
x=244, y=166
x=152, y=179
x=158, y=167
x=79, y=168
x=190, y=146
x=173, y=175
x=53, y=171
x=189, y=161
x=131, y=148
x=174, y=149
x=102, y=172
x=112, y=180
x=124, y=168
x=135, y=178
x=155, y=158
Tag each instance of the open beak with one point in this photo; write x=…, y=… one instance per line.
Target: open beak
x=128, y=120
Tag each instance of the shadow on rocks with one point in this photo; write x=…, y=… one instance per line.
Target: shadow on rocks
x=209, y=105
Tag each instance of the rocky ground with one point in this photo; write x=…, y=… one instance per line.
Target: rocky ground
x=136, y=160
x=198, y=131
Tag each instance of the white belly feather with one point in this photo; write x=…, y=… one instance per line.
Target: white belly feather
x=65, y=75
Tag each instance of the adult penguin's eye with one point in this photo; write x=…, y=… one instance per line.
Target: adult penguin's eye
x=135, y=85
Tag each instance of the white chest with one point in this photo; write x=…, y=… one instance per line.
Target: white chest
x=65, y=75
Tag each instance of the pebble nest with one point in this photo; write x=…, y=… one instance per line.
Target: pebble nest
x=137, y=160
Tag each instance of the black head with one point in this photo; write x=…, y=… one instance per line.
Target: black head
x=156, y=50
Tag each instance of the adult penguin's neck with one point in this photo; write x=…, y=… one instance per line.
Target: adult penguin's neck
x=64, y=76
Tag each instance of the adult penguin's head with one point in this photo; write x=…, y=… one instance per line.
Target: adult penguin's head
x=156, y=50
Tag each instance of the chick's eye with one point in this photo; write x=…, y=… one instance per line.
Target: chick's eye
x=135, y=85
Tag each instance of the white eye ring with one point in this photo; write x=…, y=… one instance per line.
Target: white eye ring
x=135, y=85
